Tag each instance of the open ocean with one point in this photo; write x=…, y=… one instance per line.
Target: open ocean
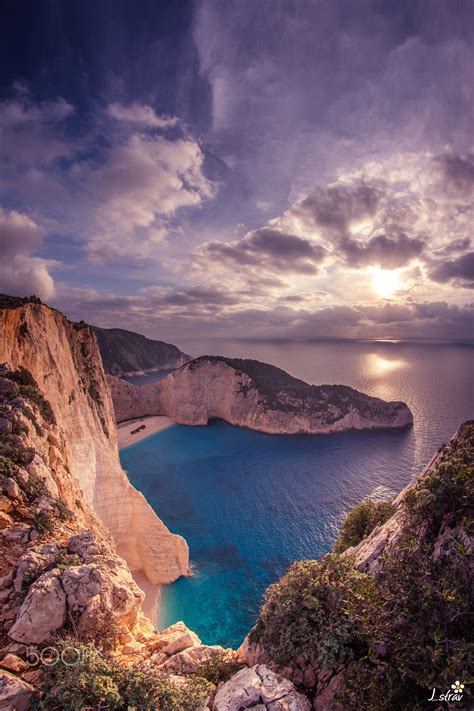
x=249, y=504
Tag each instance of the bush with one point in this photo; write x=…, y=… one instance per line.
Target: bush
x=220, y=667
x=449, y=489
x=417, y=629
x=96, y=680
x=45, y=522
x=314, y=613
x=361, y=521
x=22, y=376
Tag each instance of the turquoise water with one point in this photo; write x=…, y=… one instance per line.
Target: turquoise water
x=249, y=504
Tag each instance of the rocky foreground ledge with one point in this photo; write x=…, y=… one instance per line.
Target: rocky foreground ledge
x=255, y=395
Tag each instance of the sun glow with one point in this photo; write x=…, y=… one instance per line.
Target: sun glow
x=385, y=283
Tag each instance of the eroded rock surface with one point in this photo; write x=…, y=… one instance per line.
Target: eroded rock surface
x=259, y=688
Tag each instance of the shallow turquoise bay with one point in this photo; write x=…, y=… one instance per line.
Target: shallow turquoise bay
x=249, y=504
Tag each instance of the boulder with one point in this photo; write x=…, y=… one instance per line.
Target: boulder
x=11, y=489
x=15, y=694
x=35, y=560
x=259, y=688
x=13, y=663
x=43, y=611
x=5, y=504
x=81, y=584
x=178, y=637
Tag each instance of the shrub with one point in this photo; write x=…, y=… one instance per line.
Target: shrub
x=418, y=628
x=95, y=680
x=449, y=489
x=7, y=467
x=220, y=667
x=67, y=560
x=45, y=522
x=361, y=521
x=314, y=612
x=22, y=376
x=15, y=453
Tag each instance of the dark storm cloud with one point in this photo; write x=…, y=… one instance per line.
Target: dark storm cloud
x=460, y=270
x=334, y=208
x=382, y=250
x=458, y=170
x=269, y=249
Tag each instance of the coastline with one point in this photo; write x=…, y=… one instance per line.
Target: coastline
x=152, y=425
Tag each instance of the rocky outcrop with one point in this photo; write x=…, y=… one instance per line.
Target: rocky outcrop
x=15, y=694
x=368, y=554
x=256, y=395
x=261, y=689
x=66, y=364
x=128, y=353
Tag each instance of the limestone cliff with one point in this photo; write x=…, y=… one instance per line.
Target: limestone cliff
x=256, y=395
x=64, y=360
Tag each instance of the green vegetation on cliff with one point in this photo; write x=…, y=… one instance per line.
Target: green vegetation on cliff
x=361, y=521
x=405, y=630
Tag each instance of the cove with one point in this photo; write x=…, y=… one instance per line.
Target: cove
x=249, y=504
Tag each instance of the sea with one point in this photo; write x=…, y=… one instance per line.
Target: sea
x=250, y=504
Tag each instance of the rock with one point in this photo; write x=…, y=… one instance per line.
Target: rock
x=22, y=476
x=5, y=426
x=15, y=694
x=6, y=580
x=35, y=561
x=5, y=520
x=178, y=637
x=5, y=504
x=252, y=653
x=14, y=664
x=187, y=661
x=43, y=611
x=326, y=700
x=11, y=489
x=104, y=580
x=81, y=584
x=259, y=687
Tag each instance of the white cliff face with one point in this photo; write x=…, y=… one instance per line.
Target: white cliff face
x=66, y=364
x=271, y=401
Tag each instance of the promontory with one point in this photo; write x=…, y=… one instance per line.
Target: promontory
x=255, y=395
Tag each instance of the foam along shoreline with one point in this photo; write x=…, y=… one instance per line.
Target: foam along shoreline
x=146, y=426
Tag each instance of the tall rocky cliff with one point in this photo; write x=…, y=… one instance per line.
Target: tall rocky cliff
x=65, y=361
x=254, y=395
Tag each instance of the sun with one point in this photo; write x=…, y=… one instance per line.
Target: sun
x=385, y=282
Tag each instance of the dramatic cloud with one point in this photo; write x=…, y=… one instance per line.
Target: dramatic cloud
x=21, y=273
x=137, y=186
x=335, y=208
x=116, y=189
x=460, y=271
x=382, y=250
x=269, y=250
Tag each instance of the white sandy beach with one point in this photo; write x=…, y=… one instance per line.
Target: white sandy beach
x=153, y=424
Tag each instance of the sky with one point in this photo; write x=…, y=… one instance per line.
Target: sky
x=294, y=169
